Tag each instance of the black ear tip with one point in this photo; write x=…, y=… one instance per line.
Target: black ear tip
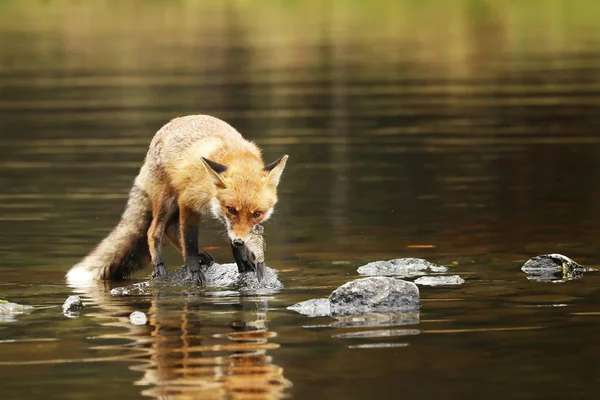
x=215, y=166
x=275, y=163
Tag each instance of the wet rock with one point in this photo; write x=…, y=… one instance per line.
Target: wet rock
x=73, y=304
x=401, y=267
x=218, y=276
x=138, y=318
x=362, y=296
x=448, y=280
x=553, y=268
x=313, y=307
x=227, y=276
x=8, y=311
x=375, y=294
x=550, y=263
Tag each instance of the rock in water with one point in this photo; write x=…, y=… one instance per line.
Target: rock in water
x=367, y=295
x=8, y=310
x=227, y=276
x=553, y=268
x=440, y=280
x=313, y=307
x=138, y=318
x=375, y=294
x=73, y=304
x=550, y=263
x=401, y=267
x=219, y=276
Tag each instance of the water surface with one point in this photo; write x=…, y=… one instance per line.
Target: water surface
x=463, y=132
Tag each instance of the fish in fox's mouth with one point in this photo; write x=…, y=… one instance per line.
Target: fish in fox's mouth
x=251, y=255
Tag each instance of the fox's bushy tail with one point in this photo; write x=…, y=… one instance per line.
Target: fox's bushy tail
x=124, y=250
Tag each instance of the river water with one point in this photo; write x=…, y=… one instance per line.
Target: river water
x=462, y=132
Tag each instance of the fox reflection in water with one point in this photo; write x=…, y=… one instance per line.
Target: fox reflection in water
x=181, y=359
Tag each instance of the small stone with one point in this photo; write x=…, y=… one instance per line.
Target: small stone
x=401, y=267
x=375, y=294
x=8, y=311
x=440, y=280
x=313, y=307
x=138, y=318
x=550, y=263
x=72, y=304
x=553, y=268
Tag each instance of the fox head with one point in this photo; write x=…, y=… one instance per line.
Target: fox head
x=246, y=194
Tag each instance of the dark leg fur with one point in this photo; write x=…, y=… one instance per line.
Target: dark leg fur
x=172, y=232
x=162, y=212
x=189, y=222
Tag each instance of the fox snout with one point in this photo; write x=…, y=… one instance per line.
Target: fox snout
x=239, y=234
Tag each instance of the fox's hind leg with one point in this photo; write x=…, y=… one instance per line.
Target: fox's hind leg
x=161, y=213
x=172, y=231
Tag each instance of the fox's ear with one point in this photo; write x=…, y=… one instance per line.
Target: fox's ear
x=275, y=169
x=215, y=170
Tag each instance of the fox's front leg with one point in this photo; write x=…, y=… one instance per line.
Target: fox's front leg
x=172, y=231
x=189, y=222
x=161, y=212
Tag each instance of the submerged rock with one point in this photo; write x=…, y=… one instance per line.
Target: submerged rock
x=448, y=280
x=367, y=295
x=313, y=307
x=72, y=304
x=401, y=267
x=553, y=268
x=218, y=276
x=8, y=310
x=138, y=318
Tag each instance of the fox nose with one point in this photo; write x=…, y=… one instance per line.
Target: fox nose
x=238, y=242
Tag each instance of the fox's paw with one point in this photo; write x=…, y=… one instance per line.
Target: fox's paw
x=160, y=270
x=197, y=278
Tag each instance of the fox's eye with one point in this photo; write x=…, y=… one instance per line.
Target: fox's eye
x=257, y=214
x=232, y=210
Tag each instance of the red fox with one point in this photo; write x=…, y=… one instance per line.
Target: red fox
x=196, y=166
